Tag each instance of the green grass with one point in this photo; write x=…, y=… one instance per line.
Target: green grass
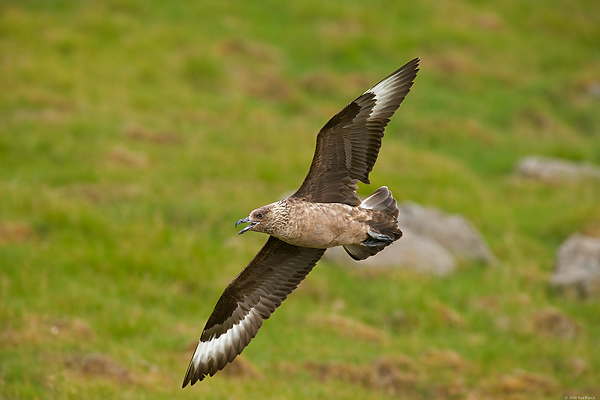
x=133, y=134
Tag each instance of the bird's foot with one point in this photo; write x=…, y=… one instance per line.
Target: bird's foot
x=377, y=239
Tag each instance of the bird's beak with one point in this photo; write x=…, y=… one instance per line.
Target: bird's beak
x=251, y=224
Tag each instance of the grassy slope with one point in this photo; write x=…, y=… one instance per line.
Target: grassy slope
x=133, y=134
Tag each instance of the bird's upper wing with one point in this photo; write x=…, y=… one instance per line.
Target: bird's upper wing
x=348, y=145
x=249, y=299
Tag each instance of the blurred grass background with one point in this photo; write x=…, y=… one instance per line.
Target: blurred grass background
x=133, y=134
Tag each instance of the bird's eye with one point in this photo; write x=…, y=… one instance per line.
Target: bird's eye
x=259, y=215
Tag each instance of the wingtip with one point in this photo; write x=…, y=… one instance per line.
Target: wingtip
x=414, y=63
x=411, y=65
x=191, y=379
x=191, y=376
x=410, y=69
x=188, y=378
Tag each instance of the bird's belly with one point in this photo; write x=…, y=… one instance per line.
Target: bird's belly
x=328, y=227
x=318, y=240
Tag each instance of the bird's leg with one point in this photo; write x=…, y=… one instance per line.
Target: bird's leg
x=377, y=239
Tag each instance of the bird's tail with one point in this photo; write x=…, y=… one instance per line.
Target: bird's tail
x=384, y=225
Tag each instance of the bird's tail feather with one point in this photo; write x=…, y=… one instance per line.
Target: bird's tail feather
x=385, y=222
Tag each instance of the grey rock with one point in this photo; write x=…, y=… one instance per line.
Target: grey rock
x=578, y=264
x=412, y=251
x=593, y=90
x=554, y=170
x=453, y=232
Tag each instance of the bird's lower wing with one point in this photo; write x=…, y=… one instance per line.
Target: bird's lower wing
x=249, y=299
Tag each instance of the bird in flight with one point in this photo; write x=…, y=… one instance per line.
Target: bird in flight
x=324, y=212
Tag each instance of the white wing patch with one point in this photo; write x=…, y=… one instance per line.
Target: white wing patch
x=384, y=92
x=374, y=201
x=215, y=351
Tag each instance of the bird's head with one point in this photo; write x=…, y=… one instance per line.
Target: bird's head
x=259, y=220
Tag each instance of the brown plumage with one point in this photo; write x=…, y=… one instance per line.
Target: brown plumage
x=324, y=212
